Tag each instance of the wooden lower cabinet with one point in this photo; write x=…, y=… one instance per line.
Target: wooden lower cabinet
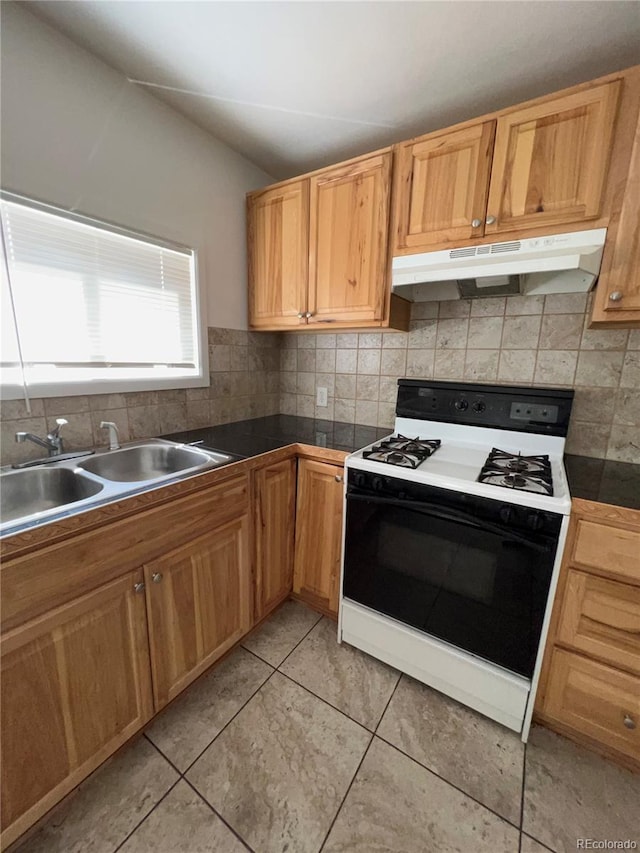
x=316, y=577
x=75, y=686
x=590, y=679
x=275, y=508
x=199, y=603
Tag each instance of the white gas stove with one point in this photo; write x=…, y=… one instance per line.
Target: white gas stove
x=454, y=531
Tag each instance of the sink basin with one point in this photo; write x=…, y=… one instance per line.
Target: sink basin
x=150, y=462
x=23, y=493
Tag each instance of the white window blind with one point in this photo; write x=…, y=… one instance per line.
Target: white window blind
x=85, y=302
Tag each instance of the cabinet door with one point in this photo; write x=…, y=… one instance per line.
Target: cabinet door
x=75, y=686
x=596, y=700
x=278, y=249
x=319, y=534
x=199, y=603
x=275, y=492
x=618, y=293
x=349, y=224
x=442, y=183
x=550, y=161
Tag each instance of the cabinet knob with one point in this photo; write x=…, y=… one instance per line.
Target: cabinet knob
x=629, y=722
x=338, y=478
x=156, y=577
x=476, y=223
x=138, y=587
x=616, y=296
x=308, y=314
x=490, y=220
x=301, y=316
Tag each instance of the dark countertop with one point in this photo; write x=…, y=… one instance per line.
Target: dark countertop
x=599, y=480
x=616, y=483
x=259, y=435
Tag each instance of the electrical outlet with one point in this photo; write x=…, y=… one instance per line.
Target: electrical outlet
x=321, y=397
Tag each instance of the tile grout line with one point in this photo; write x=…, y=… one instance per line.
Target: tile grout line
x=393, y=693
x=524, y=775
x=451, y=784
x=302, y=639
x=346, y=794
x=225, y=822
x=149, y=813
x=333, y=707
x=229, y=721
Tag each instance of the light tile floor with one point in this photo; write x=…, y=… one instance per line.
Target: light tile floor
x=295, y=744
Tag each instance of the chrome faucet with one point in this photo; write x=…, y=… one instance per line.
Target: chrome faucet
x=114, y=438
x=52, y=443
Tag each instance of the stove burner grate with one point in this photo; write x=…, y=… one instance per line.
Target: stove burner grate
x=515, y=471
x=403, y=452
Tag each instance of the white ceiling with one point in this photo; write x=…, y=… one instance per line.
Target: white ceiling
x=298, y=85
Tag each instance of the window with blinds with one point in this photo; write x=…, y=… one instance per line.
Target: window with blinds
x=83, y=301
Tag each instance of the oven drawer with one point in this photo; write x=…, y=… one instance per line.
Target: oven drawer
x=594, y=699
x=613, y=550
x=489, y=689
x=601, y=618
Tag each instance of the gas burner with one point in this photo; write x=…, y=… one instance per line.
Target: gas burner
x=403, y=452
x=514, y=471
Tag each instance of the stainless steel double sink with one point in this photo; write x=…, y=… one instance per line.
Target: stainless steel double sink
x=54, y=489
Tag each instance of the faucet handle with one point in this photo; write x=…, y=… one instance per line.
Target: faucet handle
x=55, y=432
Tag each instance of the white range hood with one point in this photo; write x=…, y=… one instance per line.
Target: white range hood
x=559, y=263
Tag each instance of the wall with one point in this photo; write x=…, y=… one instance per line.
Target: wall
x=517, y=340
x=77, y=134
x=244, y=383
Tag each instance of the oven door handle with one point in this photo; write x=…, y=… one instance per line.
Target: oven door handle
x=448, y=514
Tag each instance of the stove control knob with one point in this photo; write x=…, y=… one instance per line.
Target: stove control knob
x=360, y=479
x=377, y=483
x=461, y=405
x=535, y=521
x=507, y=514
x=479, y=407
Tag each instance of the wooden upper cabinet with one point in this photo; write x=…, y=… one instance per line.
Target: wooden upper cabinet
x=550, y=161
x=75, y=686
x=319, y=534
x=275, y=509
x=278, y=252
x=349, y=227
x=617, y=297
x=441, y=186
x=199, y=603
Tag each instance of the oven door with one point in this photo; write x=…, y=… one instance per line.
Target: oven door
x=471, y=571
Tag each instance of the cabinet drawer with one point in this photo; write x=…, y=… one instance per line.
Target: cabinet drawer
x=601, y=618
x=596, y=700
x=610, y=549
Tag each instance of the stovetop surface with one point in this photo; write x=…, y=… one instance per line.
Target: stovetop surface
x=461, y=456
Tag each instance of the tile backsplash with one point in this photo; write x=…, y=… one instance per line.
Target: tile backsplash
x=514, y=340
x=244, y=383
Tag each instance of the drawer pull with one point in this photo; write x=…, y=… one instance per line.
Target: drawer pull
x=629, y=722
